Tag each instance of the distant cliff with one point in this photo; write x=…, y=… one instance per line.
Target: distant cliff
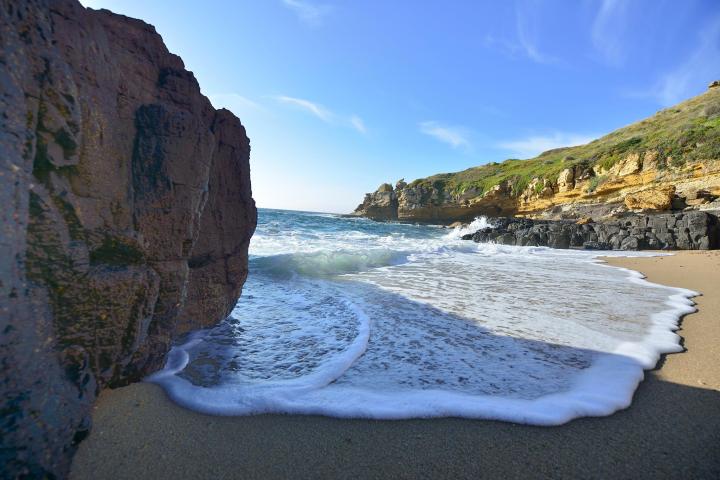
x=125, y=221
x=670, y=161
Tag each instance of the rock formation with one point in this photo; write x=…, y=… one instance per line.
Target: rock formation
x=684, y=231
x=658, y=199
x=126, y=218
x=670, y=161
x=381, y=204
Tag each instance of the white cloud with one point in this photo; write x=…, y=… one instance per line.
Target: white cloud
x=536, y=144
x=314, y=108
x=308, y=12
x=524, y=43
x=701, y=67
x=526, y=28
x=453, y=136
x=358, y=124
x=323, y=113
x=607, y=28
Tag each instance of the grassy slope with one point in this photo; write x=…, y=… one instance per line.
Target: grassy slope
x=687, y=132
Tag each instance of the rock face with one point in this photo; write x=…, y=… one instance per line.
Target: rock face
x=126, y=218
x=575, y=193
x=652, y=199
x=684, y=231
x=382, y=204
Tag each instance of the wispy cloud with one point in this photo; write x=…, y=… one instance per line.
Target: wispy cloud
x=526, y=27
x=524, y=44
x=314, y=108
x=701, y=67
x=309, y=13
x=358, y=124
x=323, y=113
x=452, y=135
x=536, y=144
x=607, y=28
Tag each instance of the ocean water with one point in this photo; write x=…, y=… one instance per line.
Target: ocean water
x=351, y=318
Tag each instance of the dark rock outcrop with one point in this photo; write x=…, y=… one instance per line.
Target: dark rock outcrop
x=126, y=218
x=683, y=231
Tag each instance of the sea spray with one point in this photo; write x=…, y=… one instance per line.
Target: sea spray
x=477, y=224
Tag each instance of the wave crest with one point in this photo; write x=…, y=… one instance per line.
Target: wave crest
x=327, y=263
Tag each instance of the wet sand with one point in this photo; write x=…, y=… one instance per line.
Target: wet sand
x=671, y=430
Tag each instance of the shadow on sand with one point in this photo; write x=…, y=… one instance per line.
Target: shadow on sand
x=670, y=431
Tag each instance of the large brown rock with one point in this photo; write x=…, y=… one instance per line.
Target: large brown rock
x=566, y=180
x=654, y=199
x=627, y=166
x=126, y=218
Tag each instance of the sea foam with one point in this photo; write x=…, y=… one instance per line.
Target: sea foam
x=393, y=321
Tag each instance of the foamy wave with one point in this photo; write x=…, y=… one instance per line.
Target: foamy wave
x=604, y=387
x=325, y=336
x=424, y=325
x=477, y=224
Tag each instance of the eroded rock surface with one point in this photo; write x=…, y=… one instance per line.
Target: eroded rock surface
x=683, y=231
x=126, y=218
x=382, y=204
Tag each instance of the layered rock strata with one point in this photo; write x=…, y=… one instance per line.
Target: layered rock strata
x=126, y=218
x=642, y=188
x=683, y=231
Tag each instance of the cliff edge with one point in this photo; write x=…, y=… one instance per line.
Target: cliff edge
x=668, y=162
x=127, y=214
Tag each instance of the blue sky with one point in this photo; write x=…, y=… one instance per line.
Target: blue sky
x=340, y=96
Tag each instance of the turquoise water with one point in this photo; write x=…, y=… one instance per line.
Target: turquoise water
x=353, y=318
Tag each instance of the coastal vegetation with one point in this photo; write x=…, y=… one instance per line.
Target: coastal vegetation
x=687, y=132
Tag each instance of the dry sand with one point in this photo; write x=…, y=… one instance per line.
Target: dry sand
x=672, y=428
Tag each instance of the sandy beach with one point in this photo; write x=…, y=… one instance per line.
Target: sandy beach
x=672, y=429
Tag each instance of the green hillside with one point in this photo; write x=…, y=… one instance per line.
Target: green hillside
x=686, y=132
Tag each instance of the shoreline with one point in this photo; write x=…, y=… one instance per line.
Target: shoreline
x=671, y=429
